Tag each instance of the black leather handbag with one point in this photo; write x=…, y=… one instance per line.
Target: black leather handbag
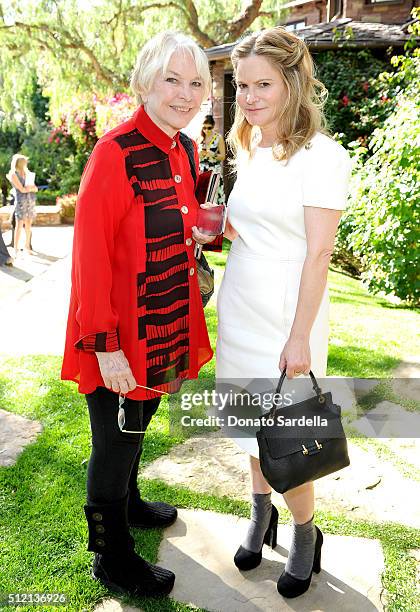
x=205, y=279
x=291, y=455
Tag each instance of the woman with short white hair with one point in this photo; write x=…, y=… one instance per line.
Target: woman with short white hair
x=136, y=326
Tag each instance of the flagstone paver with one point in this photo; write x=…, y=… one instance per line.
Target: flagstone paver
x=200, y=547
x=366, y=489
x=33, y=310
x=50, y=244
x=407, y=378
x=389, y=420
x=114, y=605
x=42, y=306
x=16, y=432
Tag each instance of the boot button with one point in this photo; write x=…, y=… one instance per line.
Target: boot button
x=99, y=529
x=97, y=516
x=100, y=542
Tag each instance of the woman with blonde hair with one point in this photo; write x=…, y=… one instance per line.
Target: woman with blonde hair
x=136, y=327
x=25, y=199
x=284, y=209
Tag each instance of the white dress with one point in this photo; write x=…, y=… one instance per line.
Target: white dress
x=259, y=292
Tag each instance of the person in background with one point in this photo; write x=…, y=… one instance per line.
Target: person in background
x=25, y=200
x=5, y=259
x=212, y=152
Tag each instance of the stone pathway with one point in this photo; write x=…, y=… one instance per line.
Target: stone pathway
x=114, y=605
x=36, y=291
x=389, y=421
x=365, y=489
x=15, y=433
x=200, y=547
x=50, y=244
x=407, y=378
x=33, y=311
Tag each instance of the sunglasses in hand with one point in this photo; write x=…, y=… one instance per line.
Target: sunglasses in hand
x=121, y=411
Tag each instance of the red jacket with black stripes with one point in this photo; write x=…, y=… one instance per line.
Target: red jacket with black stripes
x=134, y=281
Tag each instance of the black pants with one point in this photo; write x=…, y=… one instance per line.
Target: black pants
x=115, y=456
x=4, y=253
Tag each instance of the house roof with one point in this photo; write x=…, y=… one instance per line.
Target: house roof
x=342, y=32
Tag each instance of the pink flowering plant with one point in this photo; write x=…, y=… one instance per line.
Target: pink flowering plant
x=113, y=110
x=358, y=101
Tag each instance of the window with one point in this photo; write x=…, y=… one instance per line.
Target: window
x=383, y=1
x=296, y=25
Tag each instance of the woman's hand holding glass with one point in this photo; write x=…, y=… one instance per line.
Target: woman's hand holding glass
x=198, y=236
x=116, y=372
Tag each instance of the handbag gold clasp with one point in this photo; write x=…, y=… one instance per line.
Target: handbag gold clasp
x=306, y=451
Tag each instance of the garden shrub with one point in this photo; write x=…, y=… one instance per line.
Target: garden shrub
x=50, y=151
x=380, y=228
x=47, y=197
x=356, y=103
x=67, y=204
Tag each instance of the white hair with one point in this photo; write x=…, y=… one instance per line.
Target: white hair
x=155, y=56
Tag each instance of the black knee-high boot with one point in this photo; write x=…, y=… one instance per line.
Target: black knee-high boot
x=116, y=564
x=144, y=514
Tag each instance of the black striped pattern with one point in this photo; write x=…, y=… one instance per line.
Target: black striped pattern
x=101, y=342
x=163, y=289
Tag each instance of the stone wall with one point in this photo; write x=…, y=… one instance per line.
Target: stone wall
x=45, y=215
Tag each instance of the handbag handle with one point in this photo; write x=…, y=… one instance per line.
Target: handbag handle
x=315, y=387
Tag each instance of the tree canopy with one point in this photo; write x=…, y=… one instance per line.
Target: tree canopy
x=77, y=48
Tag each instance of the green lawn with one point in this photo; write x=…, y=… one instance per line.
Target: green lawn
x=42, y=527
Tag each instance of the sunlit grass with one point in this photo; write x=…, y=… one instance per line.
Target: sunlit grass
x=42, y=527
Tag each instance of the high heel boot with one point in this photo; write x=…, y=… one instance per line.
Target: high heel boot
x=289, y=586
x=246, y=559
x=116, y=564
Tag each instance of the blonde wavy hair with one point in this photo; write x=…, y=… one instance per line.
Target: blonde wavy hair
x=302, y=114
x=17, y=162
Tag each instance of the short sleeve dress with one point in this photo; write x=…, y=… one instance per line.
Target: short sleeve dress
x=259, y=292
